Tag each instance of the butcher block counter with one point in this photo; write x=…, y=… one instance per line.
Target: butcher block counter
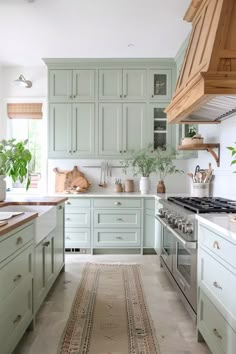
x=32, y=200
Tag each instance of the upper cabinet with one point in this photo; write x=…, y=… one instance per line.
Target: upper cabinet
x=71, y=85
x=118, y=84
x=160, y=130
x=160, y=88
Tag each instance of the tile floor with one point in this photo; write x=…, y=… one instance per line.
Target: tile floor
x=176, y=333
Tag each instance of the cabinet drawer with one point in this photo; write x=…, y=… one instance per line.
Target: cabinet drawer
x=15, y=272
x=77, y=237
x=219, y=336
x=79, y=218
x=78, y=202
x=116, y=238
x=117, y=203
x=218, y=245
x=16, y=241
x=117, y=218
x=15, y=316
x=219, y=281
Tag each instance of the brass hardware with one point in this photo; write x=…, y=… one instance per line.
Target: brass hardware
x=120, y=96
x=18, y=277
x=120, y=151
x=74, y=96
x=68, y=203
x=19, y=240
x=125, y=96
x=70, y=151
x=217, y=286
x=17, y=319
x=119, y=237
x=74, y=151
x=216, y=333
x=119, y=219
x=124, y=151
x=46, y=244
x=60, y=207
x=216, y=245
x=117, y=203
x=71, y=97
x=67, y=219
x=152, y=96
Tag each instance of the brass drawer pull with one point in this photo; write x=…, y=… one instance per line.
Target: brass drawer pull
x=216, y=285
x=216, y=245
x=19, y=240
x=117, y=203
x=46, y=244
x=119, y=219
x=119, y=237
x=17, y=319
x=67, y=219
x=216, y=333
x=17, y=277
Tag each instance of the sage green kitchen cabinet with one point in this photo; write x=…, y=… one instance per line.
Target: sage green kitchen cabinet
x=149, y=223
x=71, y=85
x=159, y=128
x=110, y=129
x=60, y=85
x=59, y=240
x=72, y=129
x=49, y=259
x=160, y=85
x=122, y=84
x=123, y=128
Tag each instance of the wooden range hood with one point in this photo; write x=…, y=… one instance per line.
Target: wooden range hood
x=206, y=87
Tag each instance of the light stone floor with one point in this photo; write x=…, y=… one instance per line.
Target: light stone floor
x=176, y=332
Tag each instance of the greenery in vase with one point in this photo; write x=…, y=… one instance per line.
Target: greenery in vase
x=233, y=154
x=14, y=159
x=165, y=163
x=142, y=162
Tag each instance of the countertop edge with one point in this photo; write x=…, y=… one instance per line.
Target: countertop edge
x=16, y=222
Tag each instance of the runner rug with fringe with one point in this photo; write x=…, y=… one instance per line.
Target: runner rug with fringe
x=109, y=314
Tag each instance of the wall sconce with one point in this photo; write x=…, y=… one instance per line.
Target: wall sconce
x=23, y=82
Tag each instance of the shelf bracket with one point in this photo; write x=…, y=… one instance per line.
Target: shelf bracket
x=215, y=156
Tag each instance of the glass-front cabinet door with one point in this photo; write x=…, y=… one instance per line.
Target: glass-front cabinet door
x=160, y=85
x=161, y=130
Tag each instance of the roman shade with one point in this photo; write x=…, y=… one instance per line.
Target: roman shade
x=24, y=110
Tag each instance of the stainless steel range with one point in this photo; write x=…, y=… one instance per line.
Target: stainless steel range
x=179, y=240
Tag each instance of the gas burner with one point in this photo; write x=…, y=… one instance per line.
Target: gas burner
x=206, y=204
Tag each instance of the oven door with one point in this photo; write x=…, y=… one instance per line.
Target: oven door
x=167, y=244
x=185, y=271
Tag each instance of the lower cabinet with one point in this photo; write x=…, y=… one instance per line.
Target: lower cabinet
x=149, y=223
x=117, y=237
x=59, y=239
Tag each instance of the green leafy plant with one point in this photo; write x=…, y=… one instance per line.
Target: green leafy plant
x=191, y=132
x=14, y=159
x=165, y=163
x=143, y=162
x=233, y=154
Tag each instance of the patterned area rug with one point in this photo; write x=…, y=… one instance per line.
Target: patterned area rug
x=109, y=314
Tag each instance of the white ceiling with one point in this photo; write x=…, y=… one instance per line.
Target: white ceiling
x=90, y=29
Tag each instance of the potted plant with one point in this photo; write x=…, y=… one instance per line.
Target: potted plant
x=14, y=159
x=233, y=154
x=192, y=137
x=142, y=162
x=165, y=166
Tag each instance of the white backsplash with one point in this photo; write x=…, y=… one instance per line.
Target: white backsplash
x=175, y=184
x=224, y=183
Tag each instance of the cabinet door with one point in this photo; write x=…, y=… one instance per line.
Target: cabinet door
x=160, y=85
x=49, y=259
x=149, y=229
x=59, y=239
x=135, y=132
x=60, y=85
x=110, y=129
x=161, y=131
x=110, y=84
x=60, y=121
x=83, y=85
x=39, y=276
x=134, y=84
x=83, y=129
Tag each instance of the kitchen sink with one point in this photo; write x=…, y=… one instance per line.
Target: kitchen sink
x=44, y=223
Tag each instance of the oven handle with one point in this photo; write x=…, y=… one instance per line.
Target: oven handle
x=185, y=243
x=161, y=220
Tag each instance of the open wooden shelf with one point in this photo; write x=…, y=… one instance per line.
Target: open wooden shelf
x=207, y=147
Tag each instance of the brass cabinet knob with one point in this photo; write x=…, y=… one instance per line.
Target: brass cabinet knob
x=17, y=277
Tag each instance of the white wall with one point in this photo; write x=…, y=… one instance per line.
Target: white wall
x=1, y=107
x=224, y=183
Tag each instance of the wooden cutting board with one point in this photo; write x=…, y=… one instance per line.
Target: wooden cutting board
x=66, y=180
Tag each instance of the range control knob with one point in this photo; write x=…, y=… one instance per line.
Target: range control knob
x=189, y=228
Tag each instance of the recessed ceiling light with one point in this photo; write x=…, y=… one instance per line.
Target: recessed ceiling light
x=131, y=45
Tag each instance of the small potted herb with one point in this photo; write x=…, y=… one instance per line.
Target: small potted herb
x=14, y=159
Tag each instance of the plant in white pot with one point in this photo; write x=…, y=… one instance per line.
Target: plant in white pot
x=143, y=163
x=14, y=159
x=165, y=166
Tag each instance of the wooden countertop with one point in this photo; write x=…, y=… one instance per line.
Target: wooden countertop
x=17, y=221
x=32, y=200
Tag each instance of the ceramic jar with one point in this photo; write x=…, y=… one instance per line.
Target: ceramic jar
x=129, y=185
x=144, y=185
x=2, y=188
x=161, y=188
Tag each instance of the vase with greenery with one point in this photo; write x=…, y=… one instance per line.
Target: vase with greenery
x=165, y=166
x=14, y=159
x=233, y=154
x=142, y=162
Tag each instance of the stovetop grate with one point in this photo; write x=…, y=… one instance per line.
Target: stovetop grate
x=206, y=204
